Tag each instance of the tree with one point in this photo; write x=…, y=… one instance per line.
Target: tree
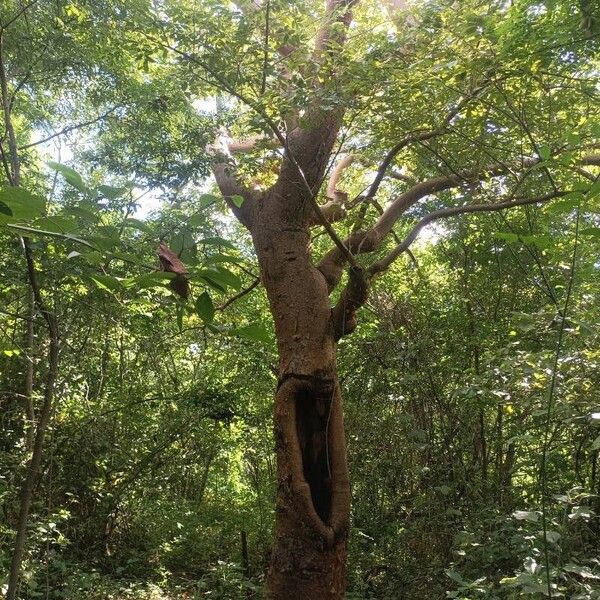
x=313, y=498
x=482, y=122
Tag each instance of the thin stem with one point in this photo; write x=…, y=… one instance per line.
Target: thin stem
x=550, y=405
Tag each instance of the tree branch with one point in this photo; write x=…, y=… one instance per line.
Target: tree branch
x=15, y=172
x=419, y=137
x=312, y=144
x=335, y=208
x=332, y=264
x=354, y=295
x=592, y=159
x=71, y=128
x=22, y=10
x=240, y=294
x=224, y=172
x=384, y=263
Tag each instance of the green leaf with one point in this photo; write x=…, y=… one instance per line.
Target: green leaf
x=539, y=241
x=544, y=152
x=154, y=279
x=582, y=571
x=10, y=352
x=207, y=199
x=106, y=282
x=205, y=307
x=126, y=257
x=218, y=258
x=237, y=200
x=94, y=257
x=455, y=577
x=253, y=332
x=594, y=190
x=58, y=224
x=592, y=232
x=524, y=321
x=111, y=192
x=219, y=278
x=552, y=536
x=179, y=311
x=23, y=205
x=564, y=205
x=137, y=224
x=70, y=175
x=81, y=213
x=595, y=444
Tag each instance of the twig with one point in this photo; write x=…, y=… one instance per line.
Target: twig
x=71, y=128
x=240, y=294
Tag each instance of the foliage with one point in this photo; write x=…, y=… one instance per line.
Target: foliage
x=159, y=455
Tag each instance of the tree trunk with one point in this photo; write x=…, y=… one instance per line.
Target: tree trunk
x=313, y=495
x=29, y=373
x=33, y=468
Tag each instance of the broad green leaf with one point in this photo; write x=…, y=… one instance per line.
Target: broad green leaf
x=124, y=256
x=564, y=205
x=70, y=175
x=595, y=444
x=544, y=152
x=57, y=224
x=179, y=311
x=594, y=190
x=580, y=570
x=106, y=282
x=94, y=257
x=592, y=232
x=84, y=214
x=196, y=220
x=219, y=258
x=219, y=277
x=253, y=332
x=111, y=192
x=552, y=536
x=207, y=199
x=524, y=321
x=455, y=577
x=539, y=241
x=237, y=200
x=137, y=224
x=156, y=278
x=22, y=204
x=205, y=307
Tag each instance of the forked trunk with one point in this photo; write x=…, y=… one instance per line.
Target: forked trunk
x=313, y=496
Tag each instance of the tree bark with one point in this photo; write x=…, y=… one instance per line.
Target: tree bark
x=313, y=495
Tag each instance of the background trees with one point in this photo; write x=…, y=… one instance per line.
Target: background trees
x=162, y=410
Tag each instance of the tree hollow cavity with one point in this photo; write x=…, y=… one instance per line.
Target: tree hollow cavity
x=312, y=420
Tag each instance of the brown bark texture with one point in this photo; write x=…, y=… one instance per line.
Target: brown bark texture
x=313, y=497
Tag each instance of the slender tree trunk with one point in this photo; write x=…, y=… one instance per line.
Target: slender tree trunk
x=29, y=408
x=313, y=494
x=44, y=419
